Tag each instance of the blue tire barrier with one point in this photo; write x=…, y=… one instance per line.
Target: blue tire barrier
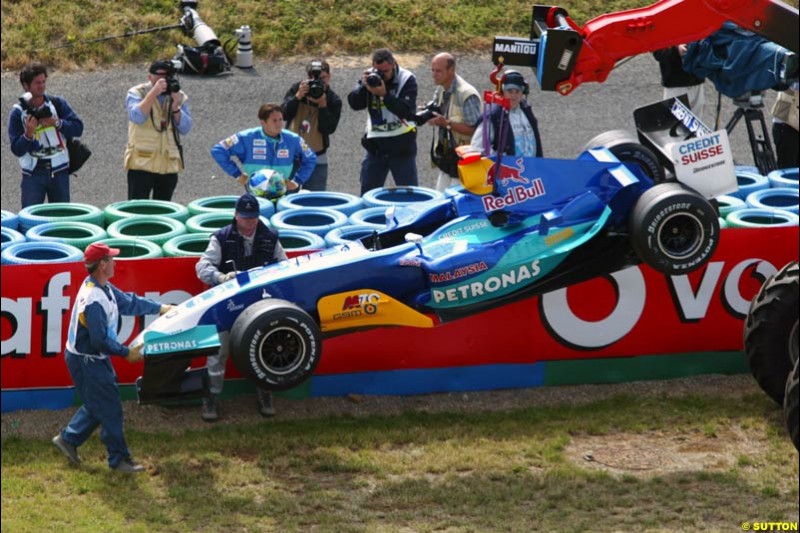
x=318, y=220
x=26, y=253
x=33, y=215
x=787, y=177
x=300, y=241
x=339, y=201
x=132, y=208
x=226, y=204
x=749, y=182
x=186, y=245
x=9, y=219
x=133, y=248
x=10, y=236
x=778, y=198
x=761, y=218
x=374, y=217
x=386, y=196
x=153, y=228
x=347, y=234
x=746, y=168
x=728, y=204
x=77, y=234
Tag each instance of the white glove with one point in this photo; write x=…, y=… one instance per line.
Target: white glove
x=135, y=353
x=222, y=278
x=165, y=308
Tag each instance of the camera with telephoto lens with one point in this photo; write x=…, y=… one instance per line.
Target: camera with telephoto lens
x=42, y=112
x=374, y=78
x=316, y=87
x=173, y=86
x=427, y=113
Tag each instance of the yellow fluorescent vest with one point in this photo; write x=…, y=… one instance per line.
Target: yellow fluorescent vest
x=785, y=108
x=149, y=148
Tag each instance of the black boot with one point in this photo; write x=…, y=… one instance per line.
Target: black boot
x=265, y=406
x=209, y=413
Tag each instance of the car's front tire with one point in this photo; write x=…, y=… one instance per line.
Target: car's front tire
x=791, y=407
x=674, y=229
x=275, y=344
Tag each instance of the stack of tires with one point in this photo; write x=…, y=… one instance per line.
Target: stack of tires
x=762, y=201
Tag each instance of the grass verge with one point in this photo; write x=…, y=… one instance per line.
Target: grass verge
x=627, y=464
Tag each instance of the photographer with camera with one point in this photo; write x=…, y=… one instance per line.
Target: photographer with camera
x=312, y=110
x=454, y=111
x=389, y=94
x=38, y=127
x=157, y=115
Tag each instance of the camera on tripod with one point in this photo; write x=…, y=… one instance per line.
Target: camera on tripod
x=316, y=87
x=42, y=112
x=427, y=113
x=374, y=77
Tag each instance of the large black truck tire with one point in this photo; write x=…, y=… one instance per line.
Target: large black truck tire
x=770, y=331
x=791, y=401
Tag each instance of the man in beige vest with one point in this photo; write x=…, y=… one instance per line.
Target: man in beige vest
x=784, y=127
x=157, y=115
x=459, y=107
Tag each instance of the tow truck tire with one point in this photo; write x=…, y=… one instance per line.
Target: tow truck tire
x=628, y=149
x=771, y=331
x=791, y=401
x=275, y=344
x=674, y=229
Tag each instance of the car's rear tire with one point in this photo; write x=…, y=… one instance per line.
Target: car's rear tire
x=275, y=344
x=674, y=229
x=791, y=402
x=770, y=331
x=627, y=149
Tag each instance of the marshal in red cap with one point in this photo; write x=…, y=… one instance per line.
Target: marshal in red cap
x=97, y=251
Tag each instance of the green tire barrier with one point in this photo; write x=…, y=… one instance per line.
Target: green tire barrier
x=339, y=201
x=226, y=204
x=155, y=229
x=134, y=248
x=9, y=219
x=33, y=215
x=26, y=253
x=347, y=234
x=778, y=198
x=131, y=208
x=10, y=236
x=761, y=218
x=728, y=204
x=208, y=222
x=300, y=241
x=78, y=234
x=386, y=196
x=188, y=245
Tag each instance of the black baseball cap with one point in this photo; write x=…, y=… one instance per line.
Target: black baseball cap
x=162, y=65
x=247, y=206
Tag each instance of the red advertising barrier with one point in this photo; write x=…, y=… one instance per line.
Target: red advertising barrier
x=632, y=312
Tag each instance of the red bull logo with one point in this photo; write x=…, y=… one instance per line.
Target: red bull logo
x=508, y=174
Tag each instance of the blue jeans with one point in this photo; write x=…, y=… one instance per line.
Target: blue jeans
x=376, y=167
x=41, y=185
x=96, y=383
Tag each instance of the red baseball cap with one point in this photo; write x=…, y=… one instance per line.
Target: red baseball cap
x=97, y=251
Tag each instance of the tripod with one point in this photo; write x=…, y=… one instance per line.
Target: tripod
x=750, y=107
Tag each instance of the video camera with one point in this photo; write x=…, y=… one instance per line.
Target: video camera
x=316, y=87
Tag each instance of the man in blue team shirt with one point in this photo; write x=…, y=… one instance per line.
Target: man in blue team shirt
x=269, y=146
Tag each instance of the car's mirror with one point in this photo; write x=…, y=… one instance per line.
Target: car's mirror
x=389, y=216
x=413, y=237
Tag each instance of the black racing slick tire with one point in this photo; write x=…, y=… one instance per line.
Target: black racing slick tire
x=674, y=229
x=275, y=344
x=791, y=402
x=627, y=149
x=771, y=332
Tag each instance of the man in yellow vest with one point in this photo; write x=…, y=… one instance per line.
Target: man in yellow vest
x=459, y=111
x=784, y=127
x=157, y=116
